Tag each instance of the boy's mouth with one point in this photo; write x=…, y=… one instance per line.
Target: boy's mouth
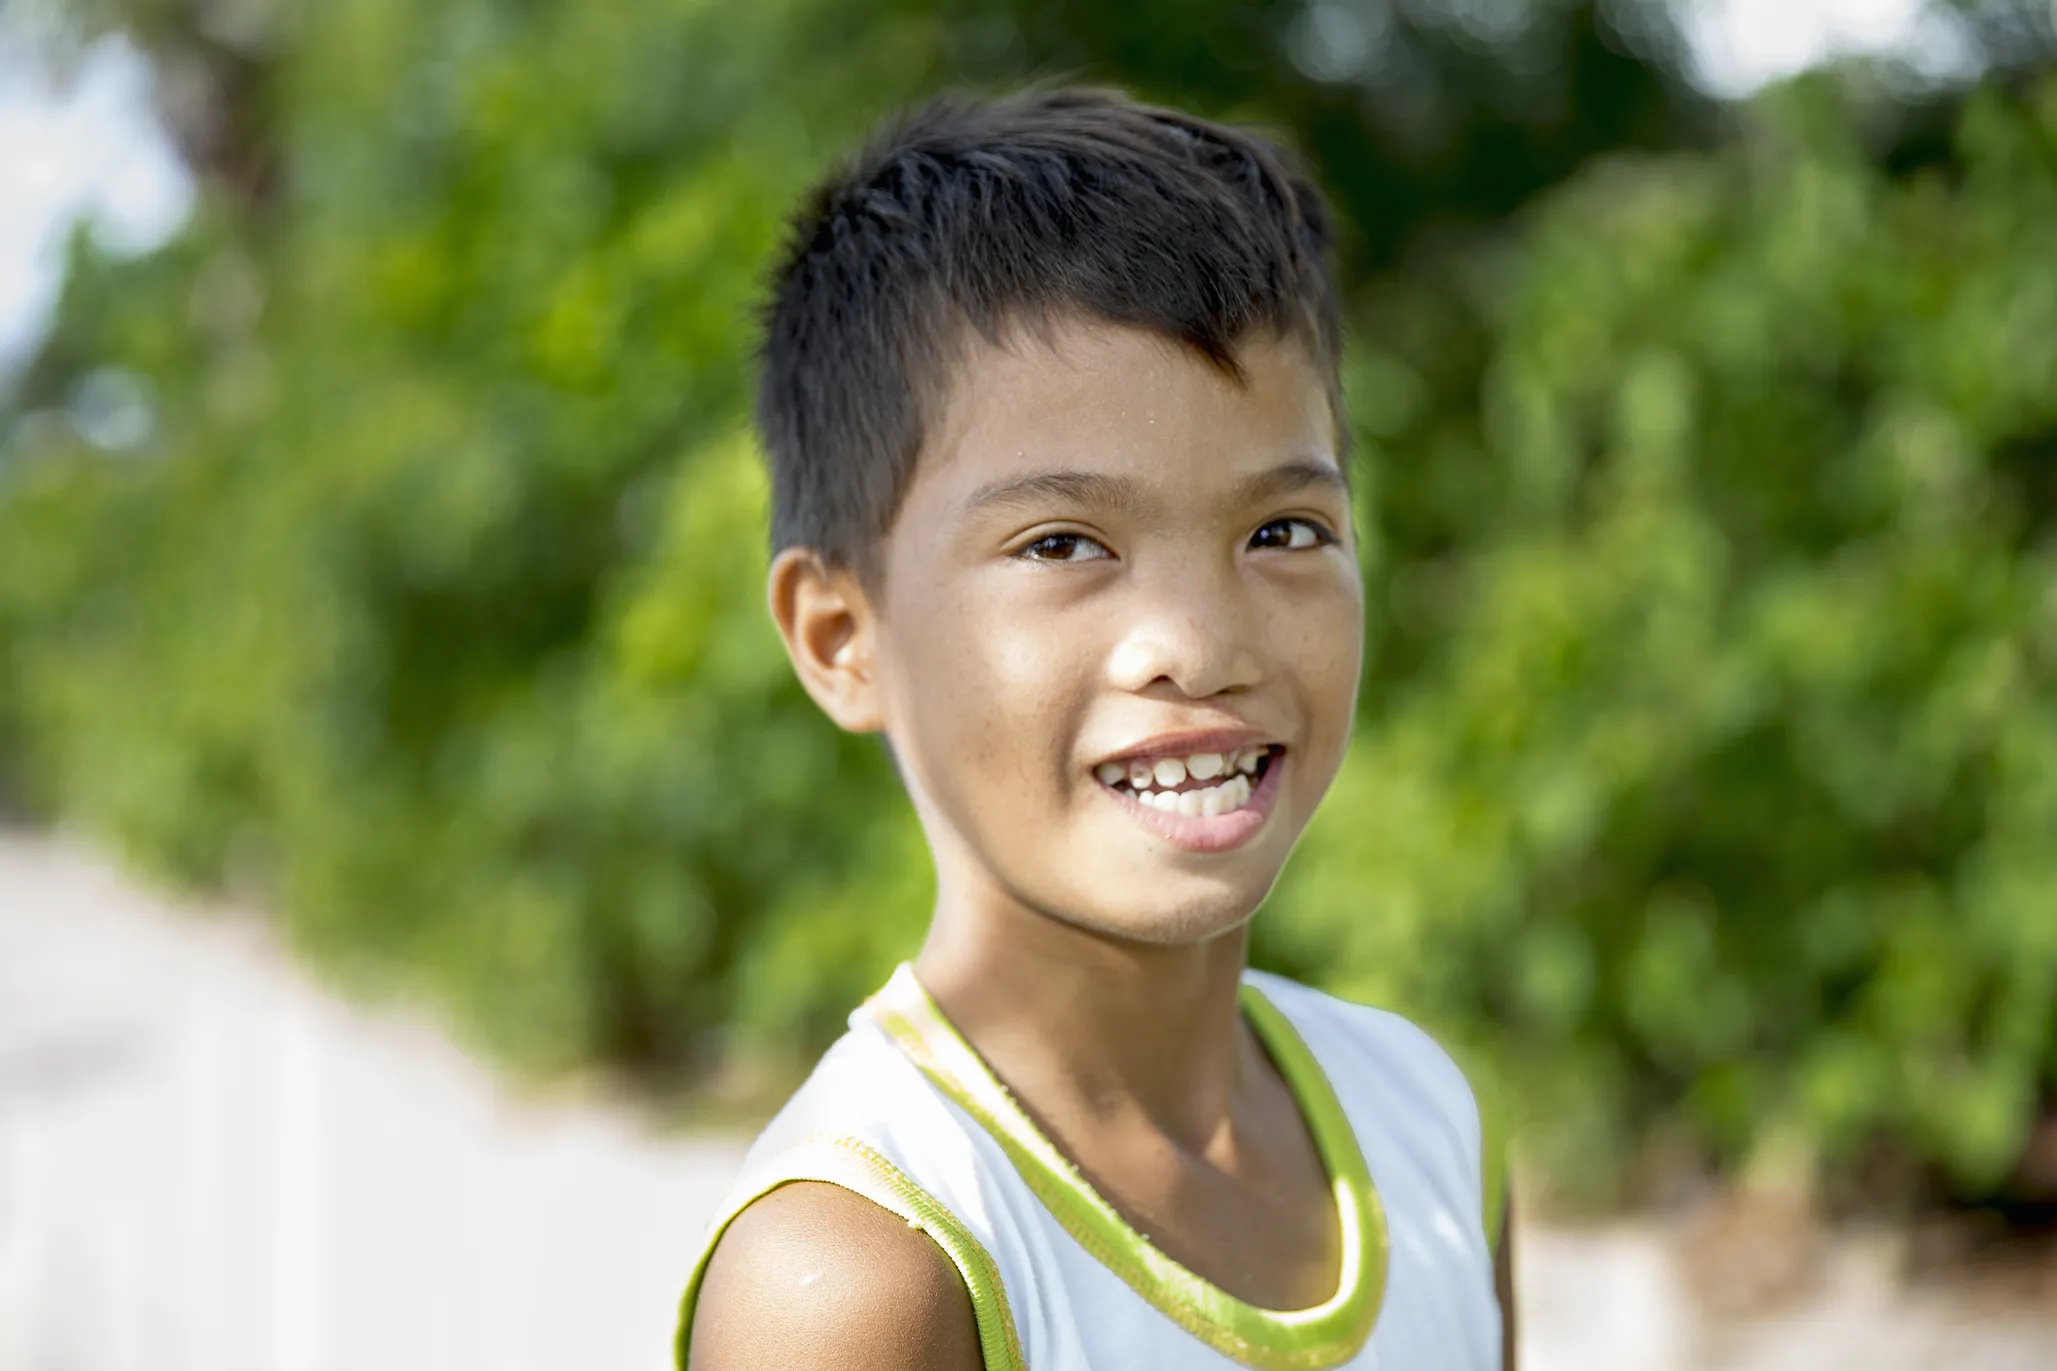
x=1198, y=785
x=1202, y=801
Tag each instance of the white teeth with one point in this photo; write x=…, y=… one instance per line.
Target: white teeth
x=1226, y=798
x=1154, y=783
x=1169, y=772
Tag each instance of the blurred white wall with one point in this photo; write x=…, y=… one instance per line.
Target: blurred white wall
x=208, y=1162
x=207, y=1165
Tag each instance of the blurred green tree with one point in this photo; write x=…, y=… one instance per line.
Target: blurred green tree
x=426, y=602
x=390, y=545
x=1709, y=775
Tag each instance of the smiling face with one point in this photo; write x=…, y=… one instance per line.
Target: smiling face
x=1116, y=634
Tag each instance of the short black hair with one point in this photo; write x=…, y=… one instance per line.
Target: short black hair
x=981, y=214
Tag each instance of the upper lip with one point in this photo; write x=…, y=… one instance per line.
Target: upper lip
x=1186, y=742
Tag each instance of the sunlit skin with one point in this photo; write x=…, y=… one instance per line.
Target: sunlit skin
x=1109, y=548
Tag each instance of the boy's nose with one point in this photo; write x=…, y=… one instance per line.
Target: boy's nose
x=1194, y=633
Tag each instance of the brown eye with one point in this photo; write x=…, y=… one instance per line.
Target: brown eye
x=1063, y=547
x=1291, y=535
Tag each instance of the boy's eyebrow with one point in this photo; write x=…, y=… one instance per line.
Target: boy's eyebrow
x=1093, y=488
x=1101, y=491
x=1288, y=477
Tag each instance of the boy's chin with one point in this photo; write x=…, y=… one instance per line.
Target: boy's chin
x=1152, y=920
x=1142, y=898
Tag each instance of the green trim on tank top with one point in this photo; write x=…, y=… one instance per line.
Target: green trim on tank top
x=853, y=1165
x=1313, y=1339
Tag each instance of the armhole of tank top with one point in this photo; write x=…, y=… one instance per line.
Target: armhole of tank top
x=1491, y=1108
x=854, y=1165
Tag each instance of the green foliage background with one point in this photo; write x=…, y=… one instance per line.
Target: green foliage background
x=1706, y=778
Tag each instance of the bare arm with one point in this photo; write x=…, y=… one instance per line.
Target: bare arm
x=813, y=1275
x=1503, y=1284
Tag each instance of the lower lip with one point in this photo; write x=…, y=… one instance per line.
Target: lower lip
x=1205, y=833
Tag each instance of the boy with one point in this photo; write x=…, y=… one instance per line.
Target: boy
x=1050, y=397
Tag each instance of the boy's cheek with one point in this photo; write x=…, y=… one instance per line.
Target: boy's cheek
x=996, y=697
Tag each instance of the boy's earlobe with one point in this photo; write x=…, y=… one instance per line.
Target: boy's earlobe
x=828, y=626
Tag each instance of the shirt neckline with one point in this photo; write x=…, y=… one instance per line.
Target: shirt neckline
x=1312, y=1339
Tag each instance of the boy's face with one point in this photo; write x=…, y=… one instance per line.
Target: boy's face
x=1118, y=628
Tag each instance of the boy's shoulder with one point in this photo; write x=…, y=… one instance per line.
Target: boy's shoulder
x=816, y=1274
x=1333, y=1024
x=1378, y=1059
x=856, y=1175
x=1393, y=1074
x=864, y=1094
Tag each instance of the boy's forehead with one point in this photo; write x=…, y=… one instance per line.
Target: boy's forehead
x=1081, y=394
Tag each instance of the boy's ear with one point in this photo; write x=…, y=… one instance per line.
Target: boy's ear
x=830, y=632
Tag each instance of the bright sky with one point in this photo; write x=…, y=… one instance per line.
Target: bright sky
x=86, y=147
x=90, y=147
x=1739, y=45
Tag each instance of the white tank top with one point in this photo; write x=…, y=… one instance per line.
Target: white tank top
x=903, y=1112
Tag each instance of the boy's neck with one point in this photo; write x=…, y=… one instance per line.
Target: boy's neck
x=1075, y=1020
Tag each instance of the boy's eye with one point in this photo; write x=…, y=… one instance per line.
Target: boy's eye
x=1063, y=547
x=1291, y=534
